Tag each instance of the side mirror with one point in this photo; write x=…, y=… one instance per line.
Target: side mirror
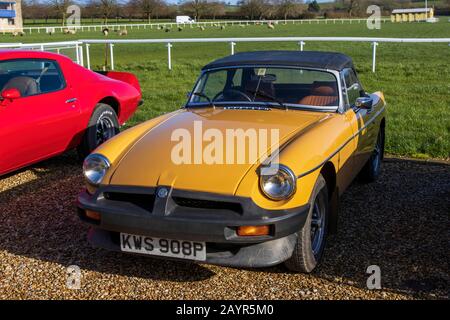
x=11, y=94
x=364, y=103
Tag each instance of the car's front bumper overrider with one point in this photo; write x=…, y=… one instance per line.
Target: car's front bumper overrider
x=195, y=216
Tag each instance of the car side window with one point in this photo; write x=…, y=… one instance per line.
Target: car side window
x=31, y=76
x=352, y=86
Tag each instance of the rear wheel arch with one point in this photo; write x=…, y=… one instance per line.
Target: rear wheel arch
x=113, y=103
x=103, y=125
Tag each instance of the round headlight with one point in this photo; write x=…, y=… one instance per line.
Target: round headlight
x=280, y=185
x=95, y=167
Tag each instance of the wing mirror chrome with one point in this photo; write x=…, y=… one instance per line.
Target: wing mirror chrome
x=364, y=103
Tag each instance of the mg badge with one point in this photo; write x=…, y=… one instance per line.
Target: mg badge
x=163, y=192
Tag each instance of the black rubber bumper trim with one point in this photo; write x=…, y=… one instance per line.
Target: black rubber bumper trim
x=257, y=255
x=207, y=225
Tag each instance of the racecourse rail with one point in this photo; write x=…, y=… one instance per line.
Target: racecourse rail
x=82, y=47
x=131, y=26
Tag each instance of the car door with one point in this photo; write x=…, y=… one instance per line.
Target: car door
x=365, y=134
x=42, y=121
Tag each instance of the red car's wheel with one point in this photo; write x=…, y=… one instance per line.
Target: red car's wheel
x=102, y=126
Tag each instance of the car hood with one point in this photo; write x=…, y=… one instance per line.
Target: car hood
x=150, y=160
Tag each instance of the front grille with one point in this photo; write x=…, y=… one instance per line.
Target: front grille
x=208, y=204
x=144, y=201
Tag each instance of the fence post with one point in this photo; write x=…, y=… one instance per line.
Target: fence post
x=80, y=48
x=169, y=55
x=374, y=55
x=88, y=57
x=111, y=52
x=301, y=44
x=232, y=44
x=77, y=52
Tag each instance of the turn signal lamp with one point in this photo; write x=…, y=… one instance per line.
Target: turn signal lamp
x=247, y=231
x=93, y=215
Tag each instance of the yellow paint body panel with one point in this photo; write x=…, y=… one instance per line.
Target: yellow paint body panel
x=142, y=155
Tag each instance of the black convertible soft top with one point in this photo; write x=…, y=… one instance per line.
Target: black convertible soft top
x=308, y=59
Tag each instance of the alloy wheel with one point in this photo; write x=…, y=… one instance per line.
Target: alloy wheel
x=104, y=130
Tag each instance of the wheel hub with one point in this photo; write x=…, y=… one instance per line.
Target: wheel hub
x=104, y=130
x=317, y=226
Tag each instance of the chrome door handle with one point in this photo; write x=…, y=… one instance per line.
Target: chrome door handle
x=71, y=100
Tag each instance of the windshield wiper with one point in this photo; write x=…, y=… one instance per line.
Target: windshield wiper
x=268, y=96
x=202, y=95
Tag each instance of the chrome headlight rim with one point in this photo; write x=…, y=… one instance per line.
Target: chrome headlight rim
x=292, y=177
x=104, y=160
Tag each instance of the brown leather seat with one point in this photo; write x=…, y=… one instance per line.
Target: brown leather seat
x=322, y=94
x=27, y=86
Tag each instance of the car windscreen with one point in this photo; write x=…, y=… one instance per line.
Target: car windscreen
x=290, y=86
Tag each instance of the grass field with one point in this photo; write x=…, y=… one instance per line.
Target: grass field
x=414, y=77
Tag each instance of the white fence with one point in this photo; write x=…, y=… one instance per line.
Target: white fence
x=82, y=47
x=233, y=41
x=58, y=47
x=131, y=26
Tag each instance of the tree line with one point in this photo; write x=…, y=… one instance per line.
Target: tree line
x=147, y=10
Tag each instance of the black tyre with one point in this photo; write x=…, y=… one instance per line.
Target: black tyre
x=102, y=126
x=311, y=238
x=372, y=169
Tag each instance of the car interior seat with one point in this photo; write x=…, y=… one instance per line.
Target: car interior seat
x=27, y=86
x=322, y=94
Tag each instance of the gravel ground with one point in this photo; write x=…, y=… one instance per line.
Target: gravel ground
x=400, y=223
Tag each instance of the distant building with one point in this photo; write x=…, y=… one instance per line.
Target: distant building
x=11, y=15
x=413, y=14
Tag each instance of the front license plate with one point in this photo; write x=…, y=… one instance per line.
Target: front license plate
x=181, y=249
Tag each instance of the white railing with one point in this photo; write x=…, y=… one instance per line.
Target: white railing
x=233, y=41
x=50, y=46
x=84, y=45
x=218, y=23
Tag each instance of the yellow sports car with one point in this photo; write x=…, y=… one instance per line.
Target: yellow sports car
x=248, y=173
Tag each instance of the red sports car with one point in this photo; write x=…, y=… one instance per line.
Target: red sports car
x=49, y=104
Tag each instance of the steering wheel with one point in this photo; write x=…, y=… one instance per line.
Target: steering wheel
x=238, y=92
